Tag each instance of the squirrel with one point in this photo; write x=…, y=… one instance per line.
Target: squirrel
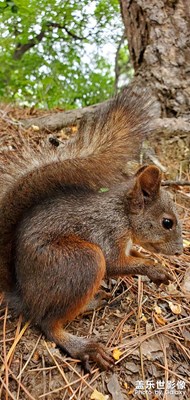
x=61, y=234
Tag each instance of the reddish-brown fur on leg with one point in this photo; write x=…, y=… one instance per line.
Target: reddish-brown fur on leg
x=74, y=271
x=73, y=244
x=57, y=277
x=77, y=347
x=80, y=348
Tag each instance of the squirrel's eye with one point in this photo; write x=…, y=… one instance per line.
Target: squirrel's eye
x=167, y=223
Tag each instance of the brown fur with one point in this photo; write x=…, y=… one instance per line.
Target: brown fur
x=60, y=236
x=94, y=158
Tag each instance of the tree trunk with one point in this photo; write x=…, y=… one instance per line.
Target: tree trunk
x=158, y=33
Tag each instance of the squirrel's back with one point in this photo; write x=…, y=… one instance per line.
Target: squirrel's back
x=108, y=139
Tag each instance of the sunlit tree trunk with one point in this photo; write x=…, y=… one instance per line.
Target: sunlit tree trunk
x=158, y=33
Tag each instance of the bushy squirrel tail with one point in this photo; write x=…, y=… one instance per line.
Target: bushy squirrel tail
x=108, y=139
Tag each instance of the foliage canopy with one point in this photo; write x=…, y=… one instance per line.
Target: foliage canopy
x=55, y=53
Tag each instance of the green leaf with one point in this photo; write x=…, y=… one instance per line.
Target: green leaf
x=103, y=190
x=68, y=65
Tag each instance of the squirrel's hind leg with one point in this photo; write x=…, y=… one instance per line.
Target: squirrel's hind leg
x=86, y=269
x=84, y=349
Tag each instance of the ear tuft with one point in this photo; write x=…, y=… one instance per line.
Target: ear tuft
x=149, y=179
x=141, y=169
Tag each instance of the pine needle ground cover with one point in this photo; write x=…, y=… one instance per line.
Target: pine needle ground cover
x=146, y=328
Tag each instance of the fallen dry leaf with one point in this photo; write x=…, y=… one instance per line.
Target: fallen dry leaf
x=171, y=288
x=186, y=243
x=98, y=396
x=114, y=388
x=117, y=354
x=186, y=335
x=186, y=282
x=157, y=309
x=152, y=347
x=35, y=128
x=131, y=391
x=175, y=308
x=160, y=320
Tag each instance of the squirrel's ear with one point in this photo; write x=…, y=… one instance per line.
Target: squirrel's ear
x=149, y=178
x=147, y=185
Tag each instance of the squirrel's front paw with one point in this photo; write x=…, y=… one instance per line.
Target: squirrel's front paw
x=159, y=275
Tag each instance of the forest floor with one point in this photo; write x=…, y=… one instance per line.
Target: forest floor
x=146, y=328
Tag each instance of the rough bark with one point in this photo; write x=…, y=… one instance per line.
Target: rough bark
x=158, y=33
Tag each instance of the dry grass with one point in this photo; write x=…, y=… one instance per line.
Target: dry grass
x=145, y=327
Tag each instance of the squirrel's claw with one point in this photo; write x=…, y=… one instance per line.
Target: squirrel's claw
x=159, y=275
x=103, y=359
x=96, y=352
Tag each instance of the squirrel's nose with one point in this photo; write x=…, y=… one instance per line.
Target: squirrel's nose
x=177, y=253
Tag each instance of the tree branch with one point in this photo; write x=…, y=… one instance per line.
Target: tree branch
x=52, y=122
x=60, y=26
x=62, y=119
x=21, y=49
x=175, y=126
x=175, y=183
